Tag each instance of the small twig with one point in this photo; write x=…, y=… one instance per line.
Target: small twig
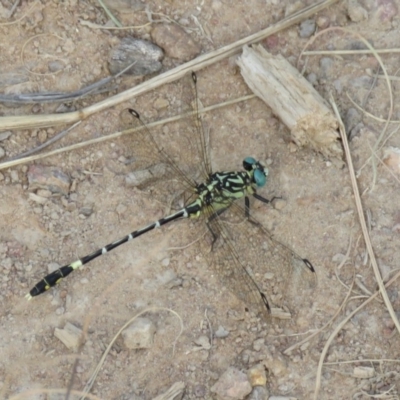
x=45, y=144
x=52, y=97
x=109, y=13
x=349, y=52
x=362, y=218
x=13, y=8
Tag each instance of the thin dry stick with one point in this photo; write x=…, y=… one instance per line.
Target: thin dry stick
x=362, y=219
x=348, y=52
x=115, y=135
x=40, y=121
x=368, y=114
x=337, y=330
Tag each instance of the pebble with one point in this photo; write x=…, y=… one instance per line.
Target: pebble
x=2, y=152
x=391, y=158
x=203, y=342
x=312, y=78
x=55, y=66
x=146, y=55
x=14, y=176
x=326, y=65
x=221, y=332
x=307, y=28
x=200, y=391
x=70, y=335
x=355, y=11
x=323, y=22
x=257, y=375
x=175, y=42
x=160, y=103
x=140, y=334
x=276, y=364
x=87, y=211
x=259, y=393
x=49, y=178
x=165, y=262
x=279, y=204
x=232, y=385
x=363, y=372
x=5, y=135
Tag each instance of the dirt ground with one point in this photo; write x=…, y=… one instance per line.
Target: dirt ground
x=318, y=218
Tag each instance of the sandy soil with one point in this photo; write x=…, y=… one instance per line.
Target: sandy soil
x=318, y=220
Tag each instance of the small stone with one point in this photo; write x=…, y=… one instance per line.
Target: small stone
x=391, y=158
x=160, y=103
x=175, y=42
x=326, y=65
x=312, y=78
x=145, y=55
x=87, y=211
x=356, y=12
x=323, y=22
x=363, y=372
x=37, y=199
x=221, y=332
x=2, y=152
x=55, y=66
x=203, y=342
x=279, y=204
x=14, y=176
x=44, y=193
x=49, y=178
x=307, y=28
x=71, y=336
x=276, y=364
x=257, y=375
x=232, y=385
x=140, y=334
x=200, y=391
x=5, y=135
x=165, y=262
x=259, y=393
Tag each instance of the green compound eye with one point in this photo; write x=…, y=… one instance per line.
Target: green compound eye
x=248, y=163
x=259, y=178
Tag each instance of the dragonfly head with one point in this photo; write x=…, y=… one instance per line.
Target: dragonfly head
x=256, y=170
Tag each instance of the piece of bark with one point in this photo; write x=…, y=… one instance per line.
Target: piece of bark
x=292, y=98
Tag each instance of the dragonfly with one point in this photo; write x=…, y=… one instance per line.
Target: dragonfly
x=233, y=241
